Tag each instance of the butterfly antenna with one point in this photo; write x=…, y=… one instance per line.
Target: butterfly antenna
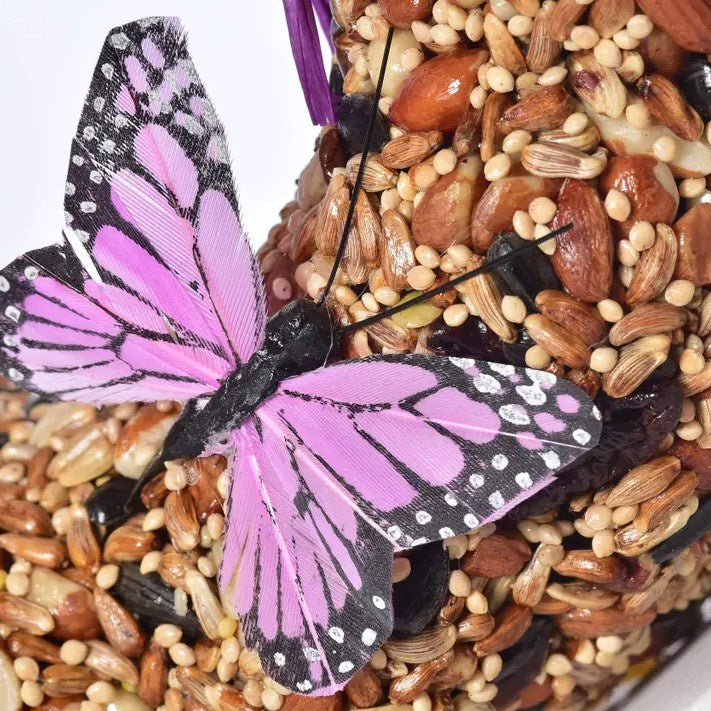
x=498, y=261
x=361, y=171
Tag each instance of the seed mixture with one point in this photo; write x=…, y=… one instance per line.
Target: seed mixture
x=498, y=122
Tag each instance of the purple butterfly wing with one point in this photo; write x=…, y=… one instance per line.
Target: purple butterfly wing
x=363, y=457
x=433, y=447
x=312, y=598
x=154, y=242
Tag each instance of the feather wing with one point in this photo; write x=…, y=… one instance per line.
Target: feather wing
x=153, y=240
x=353, y=461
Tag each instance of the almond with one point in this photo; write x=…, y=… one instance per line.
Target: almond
x=655, y=267
x=596, y=84
x=409, y=149
x=510, y=626
x=505, y=51
x=495, y=210
x=652, y=511
x=442, y=217
x=496, y=104
x=649, y=185
x=647, y=320
x=557, y=341
x=609, y=16
x=584, y=255
x=692, y=231
x=364, y=689
x=543, y=48
x=688, y=23
x=580, y=319
x=662, y=54
x=585, y=565
x=565, y=15
x=644, y=482
x=545, y=109
x=435, y=96
x=501, y=554
x=637, y=361
x=586, y=624
x=666, y=103
x=402, y=13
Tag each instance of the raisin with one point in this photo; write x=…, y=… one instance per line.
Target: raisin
x=353, y=118
x=633, y=428
x=419, y=598
x=524, y=276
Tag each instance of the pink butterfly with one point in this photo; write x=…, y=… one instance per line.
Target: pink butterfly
x=156, y=294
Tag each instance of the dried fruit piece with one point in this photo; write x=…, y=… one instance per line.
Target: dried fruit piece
x=435, y=96
x=525, y=275
x=584, y=255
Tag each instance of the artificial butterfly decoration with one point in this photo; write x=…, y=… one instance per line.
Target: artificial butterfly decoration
x=155, y=294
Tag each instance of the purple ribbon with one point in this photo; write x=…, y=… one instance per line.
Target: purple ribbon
x=305, y=45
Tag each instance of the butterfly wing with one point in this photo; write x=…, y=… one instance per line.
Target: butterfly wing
x=314, y=600
x=363, y=457
x=432, y=447
x=154, y=252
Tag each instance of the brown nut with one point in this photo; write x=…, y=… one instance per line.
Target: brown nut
x=545, y=109
x=689, y=23
x=667, y=104
x=511, y=625
x=426, y=100
x=442, y=217
x=584, y=255
x=503, y=553
x=694, y=258
x=580, y=319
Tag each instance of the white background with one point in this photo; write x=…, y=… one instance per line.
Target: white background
x=240, y=47
x=47, y=56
